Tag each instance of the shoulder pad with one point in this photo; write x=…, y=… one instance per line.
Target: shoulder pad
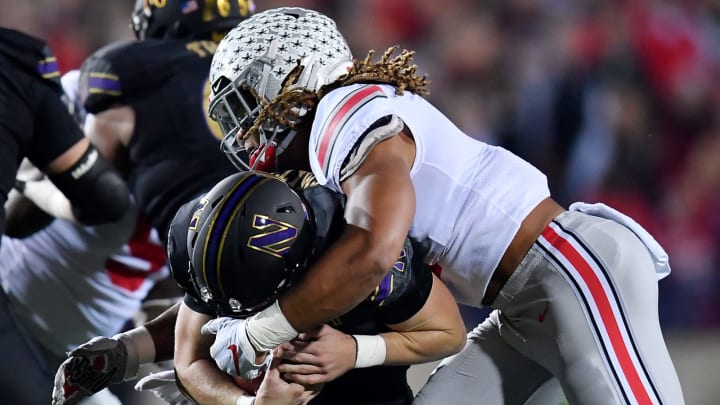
x=342, y=117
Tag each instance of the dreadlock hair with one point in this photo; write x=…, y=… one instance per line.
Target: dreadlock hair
x=287, y=108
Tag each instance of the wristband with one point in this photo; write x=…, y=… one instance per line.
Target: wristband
x=370, y=350
x=140, y=350
x=269, y=328
x=245, y=400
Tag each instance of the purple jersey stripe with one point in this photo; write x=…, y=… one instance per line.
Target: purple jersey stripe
x=48, y=67
x=105, y=84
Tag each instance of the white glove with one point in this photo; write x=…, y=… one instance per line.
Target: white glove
x=89, y=368
x=232, y=350
x=163, y=385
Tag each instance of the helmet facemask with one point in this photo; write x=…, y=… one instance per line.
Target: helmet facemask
x=237, y=108
x=140, y=19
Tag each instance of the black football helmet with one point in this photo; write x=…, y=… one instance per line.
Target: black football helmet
x=187, y=18
x=248, y=241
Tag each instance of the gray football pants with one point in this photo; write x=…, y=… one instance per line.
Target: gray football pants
x=582, y=307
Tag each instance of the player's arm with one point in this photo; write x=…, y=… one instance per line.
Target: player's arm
x=23, y=216
x=121, y=356
x=110, y=131
x=81, y=186
x=96, y=192
x=197, y=374
x=379, y=210
x=434, y=332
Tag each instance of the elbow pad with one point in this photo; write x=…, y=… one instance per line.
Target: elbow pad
x=97, y=192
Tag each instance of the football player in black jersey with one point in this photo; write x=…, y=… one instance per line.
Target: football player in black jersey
x=144, y=101
x=146, y=98
x=248, y=240
x=35, y=123
x=237, y=248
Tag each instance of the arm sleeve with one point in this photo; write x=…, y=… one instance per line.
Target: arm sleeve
x=97, y=192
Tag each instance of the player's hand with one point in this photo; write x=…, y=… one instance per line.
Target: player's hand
x=274, y=390
x=232, y=350
x=163, y=385
x=88, y=369
x=317, y=357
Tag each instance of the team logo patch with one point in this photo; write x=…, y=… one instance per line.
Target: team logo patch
x=277, y=237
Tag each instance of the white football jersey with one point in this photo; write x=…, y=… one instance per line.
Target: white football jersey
x=69, y=283
x=470, y=196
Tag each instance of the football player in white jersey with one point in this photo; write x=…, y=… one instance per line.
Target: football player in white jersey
x=574, y=290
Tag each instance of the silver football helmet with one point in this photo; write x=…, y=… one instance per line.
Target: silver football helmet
x=250, y=68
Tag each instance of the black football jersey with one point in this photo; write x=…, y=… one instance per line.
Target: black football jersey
x=34, y=122
x=399, y=296
x=174, y=152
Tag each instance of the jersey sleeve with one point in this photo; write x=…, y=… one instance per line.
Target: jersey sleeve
x=343, y=117
x=403, y=291
x=48, y=67
x=99, y=86
x=54, y=131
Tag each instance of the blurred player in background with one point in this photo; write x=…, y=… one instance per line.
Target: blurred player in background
x=575, y=291
x=34, y=123
x=64, y=284
x=146, y=102
x=145, y=110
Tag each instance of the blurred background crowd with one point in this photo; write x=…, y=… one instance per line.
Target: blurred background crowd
x=617, y=101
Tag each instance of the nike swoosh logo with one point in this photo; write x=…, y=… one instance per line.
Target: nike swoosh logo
x=541, y=315
x=236, y=358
